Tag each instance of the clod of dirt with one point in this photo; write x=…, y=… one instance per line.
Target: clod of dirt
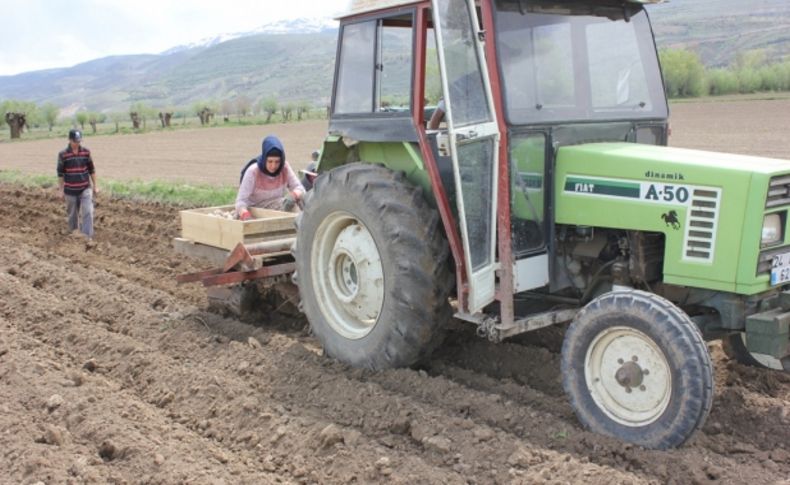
x=400, y=426
x=483, y=434
x=52, y=436
x=254, y=343
x=329, y=436
x=77, y=379
x=714, y=428
x=221, y=456
x=54, y=402
x=438, y=443
x=159, y=459
x=90, y=365
x=525, y=458
x=159, y=304
x=780, y=456
x=713, y=472
x=108, y=451
x=384, y=467
x=351, y=437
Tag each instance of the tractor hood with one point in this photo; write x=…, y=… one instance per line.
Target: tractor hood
x=710, y=206
x=679, y=160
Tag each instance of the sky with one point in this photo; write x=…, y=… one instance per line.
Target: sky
x=45, y=34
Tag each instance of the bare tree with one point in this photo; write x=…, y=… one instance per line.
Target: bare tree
x=50, y=113
x=93, y=118
x=82, y=118
x=117, y=118
x=286, y=111
x=205, y=114
x=16, y=123
x=227, y=108
x=143, y=113
x=269, y=106
x=135, y=116
x=302, y=108
x=164, y=118
x=243, y=105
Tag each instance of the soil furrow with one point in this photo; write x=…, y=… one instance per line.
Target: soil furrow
x=175, y=380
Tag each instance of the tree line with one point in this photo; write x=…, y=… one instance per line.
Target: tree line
x=21, y=116
x=754, y=71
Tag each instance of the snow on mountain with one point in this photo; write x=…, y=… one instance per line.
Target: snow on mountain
x=297, y=26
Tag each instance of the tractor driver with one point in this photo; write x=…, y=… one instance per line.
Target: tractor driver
x=268, y=181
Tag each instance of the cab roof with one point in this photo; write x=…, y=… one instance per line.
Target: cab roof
x=366, y=6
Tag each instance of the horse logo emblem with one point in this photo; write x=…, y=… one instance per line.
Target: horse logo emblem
x=671, y=219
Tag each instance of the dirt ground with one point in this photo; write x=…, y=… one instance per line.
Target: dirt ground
x=110, y=372
x=203, y=155
x=747, y=127
x=216, y=155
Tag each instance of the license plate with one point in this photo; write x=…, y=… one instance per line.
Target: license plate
x=780, y=269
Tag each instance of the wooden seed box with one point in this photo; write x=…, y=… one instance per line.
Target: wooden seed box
x=203, y=226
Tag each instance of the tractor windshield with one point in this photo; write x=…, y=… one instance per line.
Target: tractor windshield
x=577, y=62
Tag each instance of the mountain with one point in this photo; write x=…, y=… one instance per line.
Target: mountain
x=293, y=60
x=298, y=26
x=289, y=67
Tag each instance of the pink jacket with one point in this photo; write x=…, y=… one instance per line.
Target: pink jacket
x=265, y=192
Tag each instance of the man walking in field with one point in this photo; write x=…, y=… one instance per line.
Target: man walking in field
x=77, y=183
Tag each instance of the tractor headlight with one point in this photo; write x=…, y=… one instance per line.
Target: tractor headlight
x=772, y=230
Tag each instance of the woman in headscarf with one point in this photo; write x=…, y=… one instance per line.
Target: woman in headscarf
x=268, y=182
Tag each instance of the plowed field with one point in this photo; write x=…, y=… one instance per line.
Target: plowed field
x=112, y=373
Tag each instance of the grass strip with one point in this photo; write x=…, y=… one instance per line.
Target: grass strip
x=173, y=193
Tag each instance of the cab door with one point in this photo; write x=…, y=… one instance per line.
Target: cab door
x=473, y=138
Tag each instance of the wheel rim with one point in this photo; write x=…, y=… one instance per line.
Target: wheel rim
x=348, y=275
x=628, y=376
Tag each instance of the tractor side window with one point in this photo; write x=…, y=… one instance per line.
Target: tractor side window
x=527, y=194
x=374, y=67
x=354, y=91
x=464, y=78
x=394, y=65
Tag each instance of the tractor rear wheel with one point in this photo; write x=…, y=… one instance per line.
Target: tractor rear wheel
x=635, y=367
x=372, y=267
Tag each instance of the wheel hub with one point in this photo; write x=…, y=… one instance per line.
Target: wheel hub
x=345, y=279
x=628, y=376
x=348, y=274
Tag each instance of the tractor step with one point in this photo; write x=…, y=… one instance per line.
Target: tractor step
x=768, y=333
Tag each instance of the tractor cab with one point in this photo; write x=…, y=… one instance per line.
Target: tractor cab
x=488, y=91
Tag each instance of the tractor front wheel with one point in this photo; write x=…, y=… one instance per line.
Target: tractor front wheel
x=635, y=367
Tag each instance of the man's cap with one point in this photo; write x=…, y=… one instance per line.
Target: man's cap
x=75, y=135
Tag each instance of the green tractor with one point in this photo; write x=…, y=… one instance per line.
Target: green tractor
x=505, y=162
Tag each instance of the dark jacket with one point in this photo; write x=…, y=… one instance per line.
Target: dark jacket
x=76, y=169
